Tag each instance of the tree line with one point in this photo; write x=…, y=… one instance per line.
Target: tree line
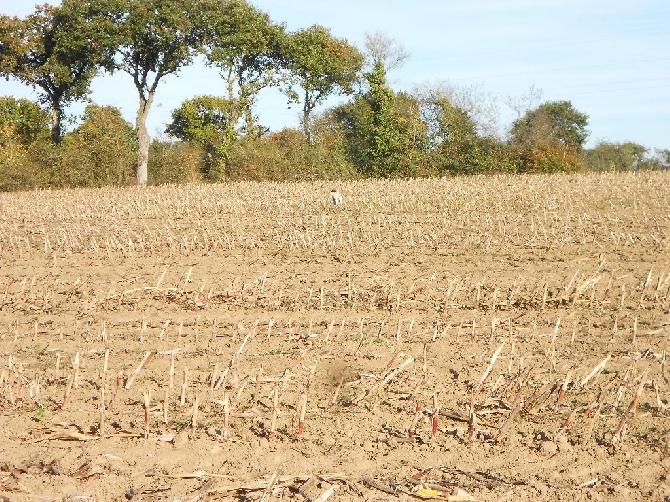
x=375, y=132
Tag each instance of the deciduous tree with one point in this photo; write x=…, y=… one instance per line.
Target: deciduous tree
x=607, y=156
x=550, y=138
x=454, y=138
x=205, y=120
x=57, y=51
x=100, y=151
x=157, y=38
x=244, y=45
x=384, y=132
x=320, y=65
x=25, y=119
x=555, y=123
x=22, y=123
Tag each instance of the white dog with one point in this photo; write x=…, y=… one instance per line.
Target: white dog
x=336, y=197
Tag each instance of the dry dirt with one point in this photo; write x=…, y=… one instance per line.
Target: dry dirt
x=461, y=339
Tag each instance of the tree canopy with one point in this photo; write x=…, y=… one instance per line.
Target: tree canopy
x=206, y=121
x=57, y=51
x=156, y=38
x=555, y=123
x=244, y=45
x=26, y=119
x=321, y=65
x=375, y=131
x=606, y=156
x=384, y=130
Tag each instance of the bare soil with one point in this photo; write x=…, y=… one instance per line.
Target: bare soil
x=500, y=338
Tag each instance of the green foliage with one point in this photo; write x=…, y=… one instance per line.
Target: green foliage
x=13, y=159
x=496, y=156
x=453, y=124
x=555, y=123
x=56, y=50
x=259, y=159
x=549, y=158
x=23, y=124
x=206, y=120
x=25, y=119
x=100, y=151
x=30, y=167
x=384, y=132
x=378, y=133
x=175, y=162
x=550, y=138
x=244, y=44
x=321, y=65
x=606, y=156
x=453, y=138
x=156, y=38
x=329, y=147
x=40, y=414
x=285, y=156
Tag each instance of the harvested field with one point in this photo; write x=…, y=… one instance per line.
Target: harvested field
x=483, y=338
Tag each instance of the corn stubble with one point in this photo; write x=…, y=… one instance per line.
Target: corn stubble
x=435, y=341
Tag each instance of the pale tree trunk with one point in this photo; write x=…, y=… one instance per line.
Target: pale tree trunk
x=56, y=122
x=305, y=123
x=143, y=138
x=234, y=101
x=307, y=108
x=248, y=117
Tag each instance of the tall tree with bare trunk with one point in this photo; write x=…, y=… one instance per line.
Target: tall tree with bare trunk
x=320, y=65
x=157, y=38
x=243, y=44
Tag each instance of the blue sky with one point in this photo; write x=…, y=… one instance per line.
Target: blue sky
x=610, y=58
